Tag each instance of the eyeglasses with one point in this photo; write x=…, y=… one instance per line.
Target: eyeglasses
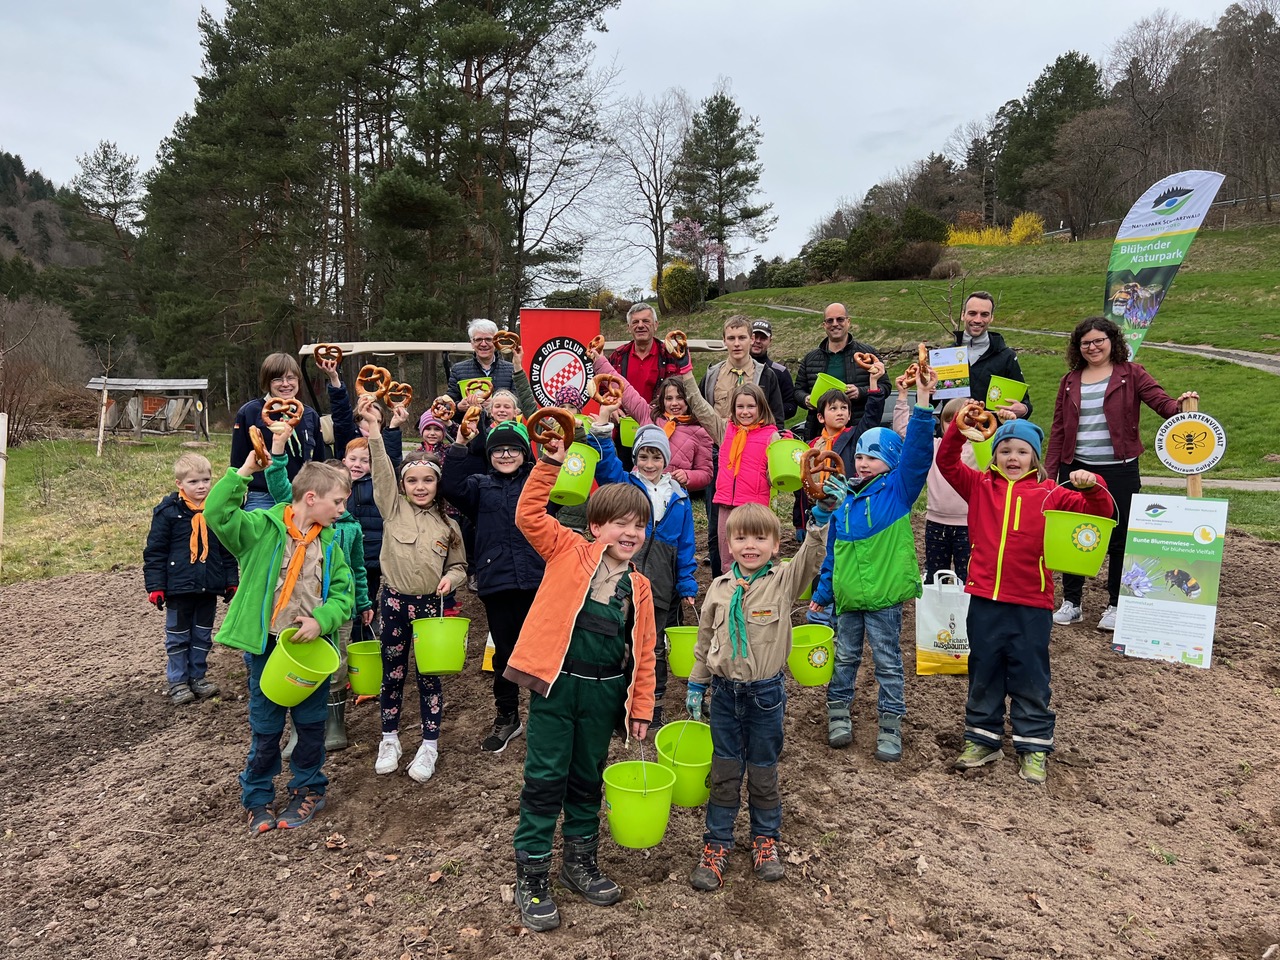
x=479, y=340
x=1092, y=344
x=287, y=378
x=507, y=452
x=835, y=320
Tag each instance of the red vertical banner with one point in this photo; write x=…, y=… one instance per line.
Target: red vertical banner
x=555, y=349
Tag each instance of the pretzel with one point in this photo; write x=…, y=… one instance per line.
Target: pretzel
x=816, y=466
x=373, y=379
x=976, y=423
x=328, y=352
x=563, y=419
x=398, y=393
x=608, y=388
x=444, y=407
x=865, y=360
x=259, y=446
x=676, y=344
x=506, y=341
x=481, y=388
x=911, y=375
x=597, y=343
x=290, y=410
x=470, y=425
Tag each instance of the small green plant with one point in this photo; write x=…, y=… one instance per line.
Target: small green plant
x=1164, y=855
x=828, y=839
x=451, y=868
x=638, y=906
x=1245, y=768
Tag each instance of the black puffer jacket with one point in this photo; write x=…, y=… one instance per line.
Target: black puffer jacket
x=815, y=362
x=166, y=558
x=360, y=504
x=504, y=560
x=999, y=361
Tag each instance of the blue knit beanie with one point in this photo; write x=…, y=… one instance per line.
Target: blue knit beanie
x=881, y=443
x=1019, y=430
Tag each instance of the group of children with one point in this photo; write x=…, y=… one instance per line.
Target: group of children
x=576, y=621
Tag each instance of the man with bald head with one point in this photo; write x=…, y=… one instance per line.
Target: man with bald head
x=834, y=357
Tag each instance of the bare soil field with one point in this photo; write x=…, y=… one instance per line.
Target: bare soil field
x=1157, y=835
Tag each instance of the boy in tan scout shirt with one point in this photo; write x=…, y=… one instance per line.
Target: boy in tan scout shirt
x=744, y=637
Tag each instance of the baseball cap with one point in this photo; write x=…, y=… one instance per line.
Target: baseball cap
x=762, y=326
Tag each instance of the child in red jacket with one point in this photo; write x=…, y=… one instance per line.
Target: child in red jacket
x=1011, y=590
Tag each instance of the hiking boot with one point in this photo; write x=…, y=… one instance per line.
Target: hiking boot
x=204, y=688
x=335, y=724
x=506, y=727
x=261, y=819
x=709, y=873
x=538, y=911
x=303, y=805
x=1108, y=621
x=889, y=739
x=1068, y=613
x=424, y=761
x=1031, y=766
x=764, y=855
x=839, y=725
x=976, y=755
x=180, y=694
x=287, y=752
x=581, y=873
x=388, y=756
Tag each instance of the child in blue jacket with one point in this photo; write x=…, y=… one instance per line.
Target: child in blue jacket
x=871, y=567
x=667, y=557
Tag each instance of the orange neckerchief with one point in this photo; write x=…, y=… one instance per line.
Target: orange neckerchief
x=827, y=440
x=739, y=444
x=669, y=425
x=295, y=562
x=199, y=529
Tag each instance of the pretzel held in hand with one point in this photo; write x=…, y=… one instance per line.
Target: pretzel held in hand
x=506, y=341
x=976, y=423
x=259, y=446
x=865, y=360
x=278, y=408
x=676, y=344
x=816, y=466
x=329, y=352
x=597, y=343
x=541, y=432
x=373, y=379
x=911, y=375
x=481, y=389
x=398, y=393
x=470, y=425
x=608, y=388
x=444, y=407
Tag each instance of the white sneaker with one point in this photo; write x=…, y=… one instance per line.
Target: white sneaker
x=1068, y=613
x=424, y=761
x=1108, y=621
x=388, y=757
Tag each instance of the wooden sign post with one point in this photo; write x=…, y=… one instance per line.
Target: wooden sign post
x=1194, y=487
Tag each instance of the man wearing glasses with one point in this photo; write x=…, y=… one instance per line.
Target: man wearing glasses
x=834, y=357
x=483, y=362
x=988, y=354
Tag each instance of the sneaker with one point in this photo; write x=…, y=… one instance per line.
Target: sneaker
x=889, y=738
x=388, y=757
x=204, y=688
x=1108, y=621
x=303, y=805
x=839, y=726
x=180, y=693
x=976, y=755
x=1068, y=613
x=1031, y=766
x=424, y=761
x=709, y=873
x=506, y=727
x=261, y=819
x=764, y=854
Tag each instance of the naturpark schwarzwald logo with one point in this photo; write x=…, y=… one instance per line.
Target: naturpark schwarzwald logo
x=1171, y=201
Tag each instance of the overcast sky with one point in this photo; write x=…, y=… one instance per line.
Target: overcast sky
x=845, y=92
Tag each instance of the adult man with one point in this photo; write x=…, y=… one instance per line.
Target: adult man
x=483, y=362
x=834, y=357
x=761, y=337
x=989, y=355
x=644, y=361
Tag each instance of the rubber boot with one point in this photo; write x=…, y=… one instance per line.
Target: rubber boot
x=581, y=873
x=335, y=724
x=889, y=739
x=287, y=752
x=538, y=911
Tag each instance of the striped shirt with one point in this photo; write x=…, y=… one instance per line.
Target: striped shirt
x=1093, y=439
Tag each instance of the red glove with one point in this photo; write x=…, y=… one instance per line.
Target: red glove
x=156, y=597
x=228, y=593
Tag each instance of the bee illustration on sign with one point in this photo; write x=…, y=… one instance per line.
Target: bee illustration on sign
x=1183, y=581
x=1190, y=440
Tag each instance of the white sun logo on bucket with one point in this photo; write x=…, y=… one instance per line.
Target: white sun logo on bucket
x=1086, y=537
x=560, y=362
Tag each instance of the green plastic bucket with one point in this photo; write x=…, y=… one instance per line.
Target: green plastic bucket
x=813, y=654
x=685, y=747
x=637, y=801
x=294, y=670
x=440, y=645
x=680, y=644
x=627, y=428
x=983, y=451
x=364, y=667
x=466, y=386
x=578, y=472
x=784, y=464
x=1076, y=542
x=808, y=591
x=1002, y=390
x=821, y=385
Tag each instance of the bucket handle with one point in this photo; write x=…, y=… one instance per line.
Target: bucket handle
x=644, y=772
x=1115, y=507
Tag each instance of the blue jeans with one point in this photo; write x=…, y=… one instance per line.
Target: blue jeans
x=883, y=631
x=258, y=500
x=746, y=738
x=266, y=721
x=188, y=635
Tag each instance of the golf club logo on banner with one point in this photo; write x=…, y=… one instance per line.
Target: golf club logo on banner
x=560, y=362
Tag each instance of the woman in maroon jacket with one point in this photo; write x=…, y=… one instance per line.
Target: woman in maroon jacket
x=1095, y=428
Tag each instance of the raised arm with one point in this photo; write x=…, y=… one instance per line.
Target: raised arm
x=702, y=411
x=633, y=405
